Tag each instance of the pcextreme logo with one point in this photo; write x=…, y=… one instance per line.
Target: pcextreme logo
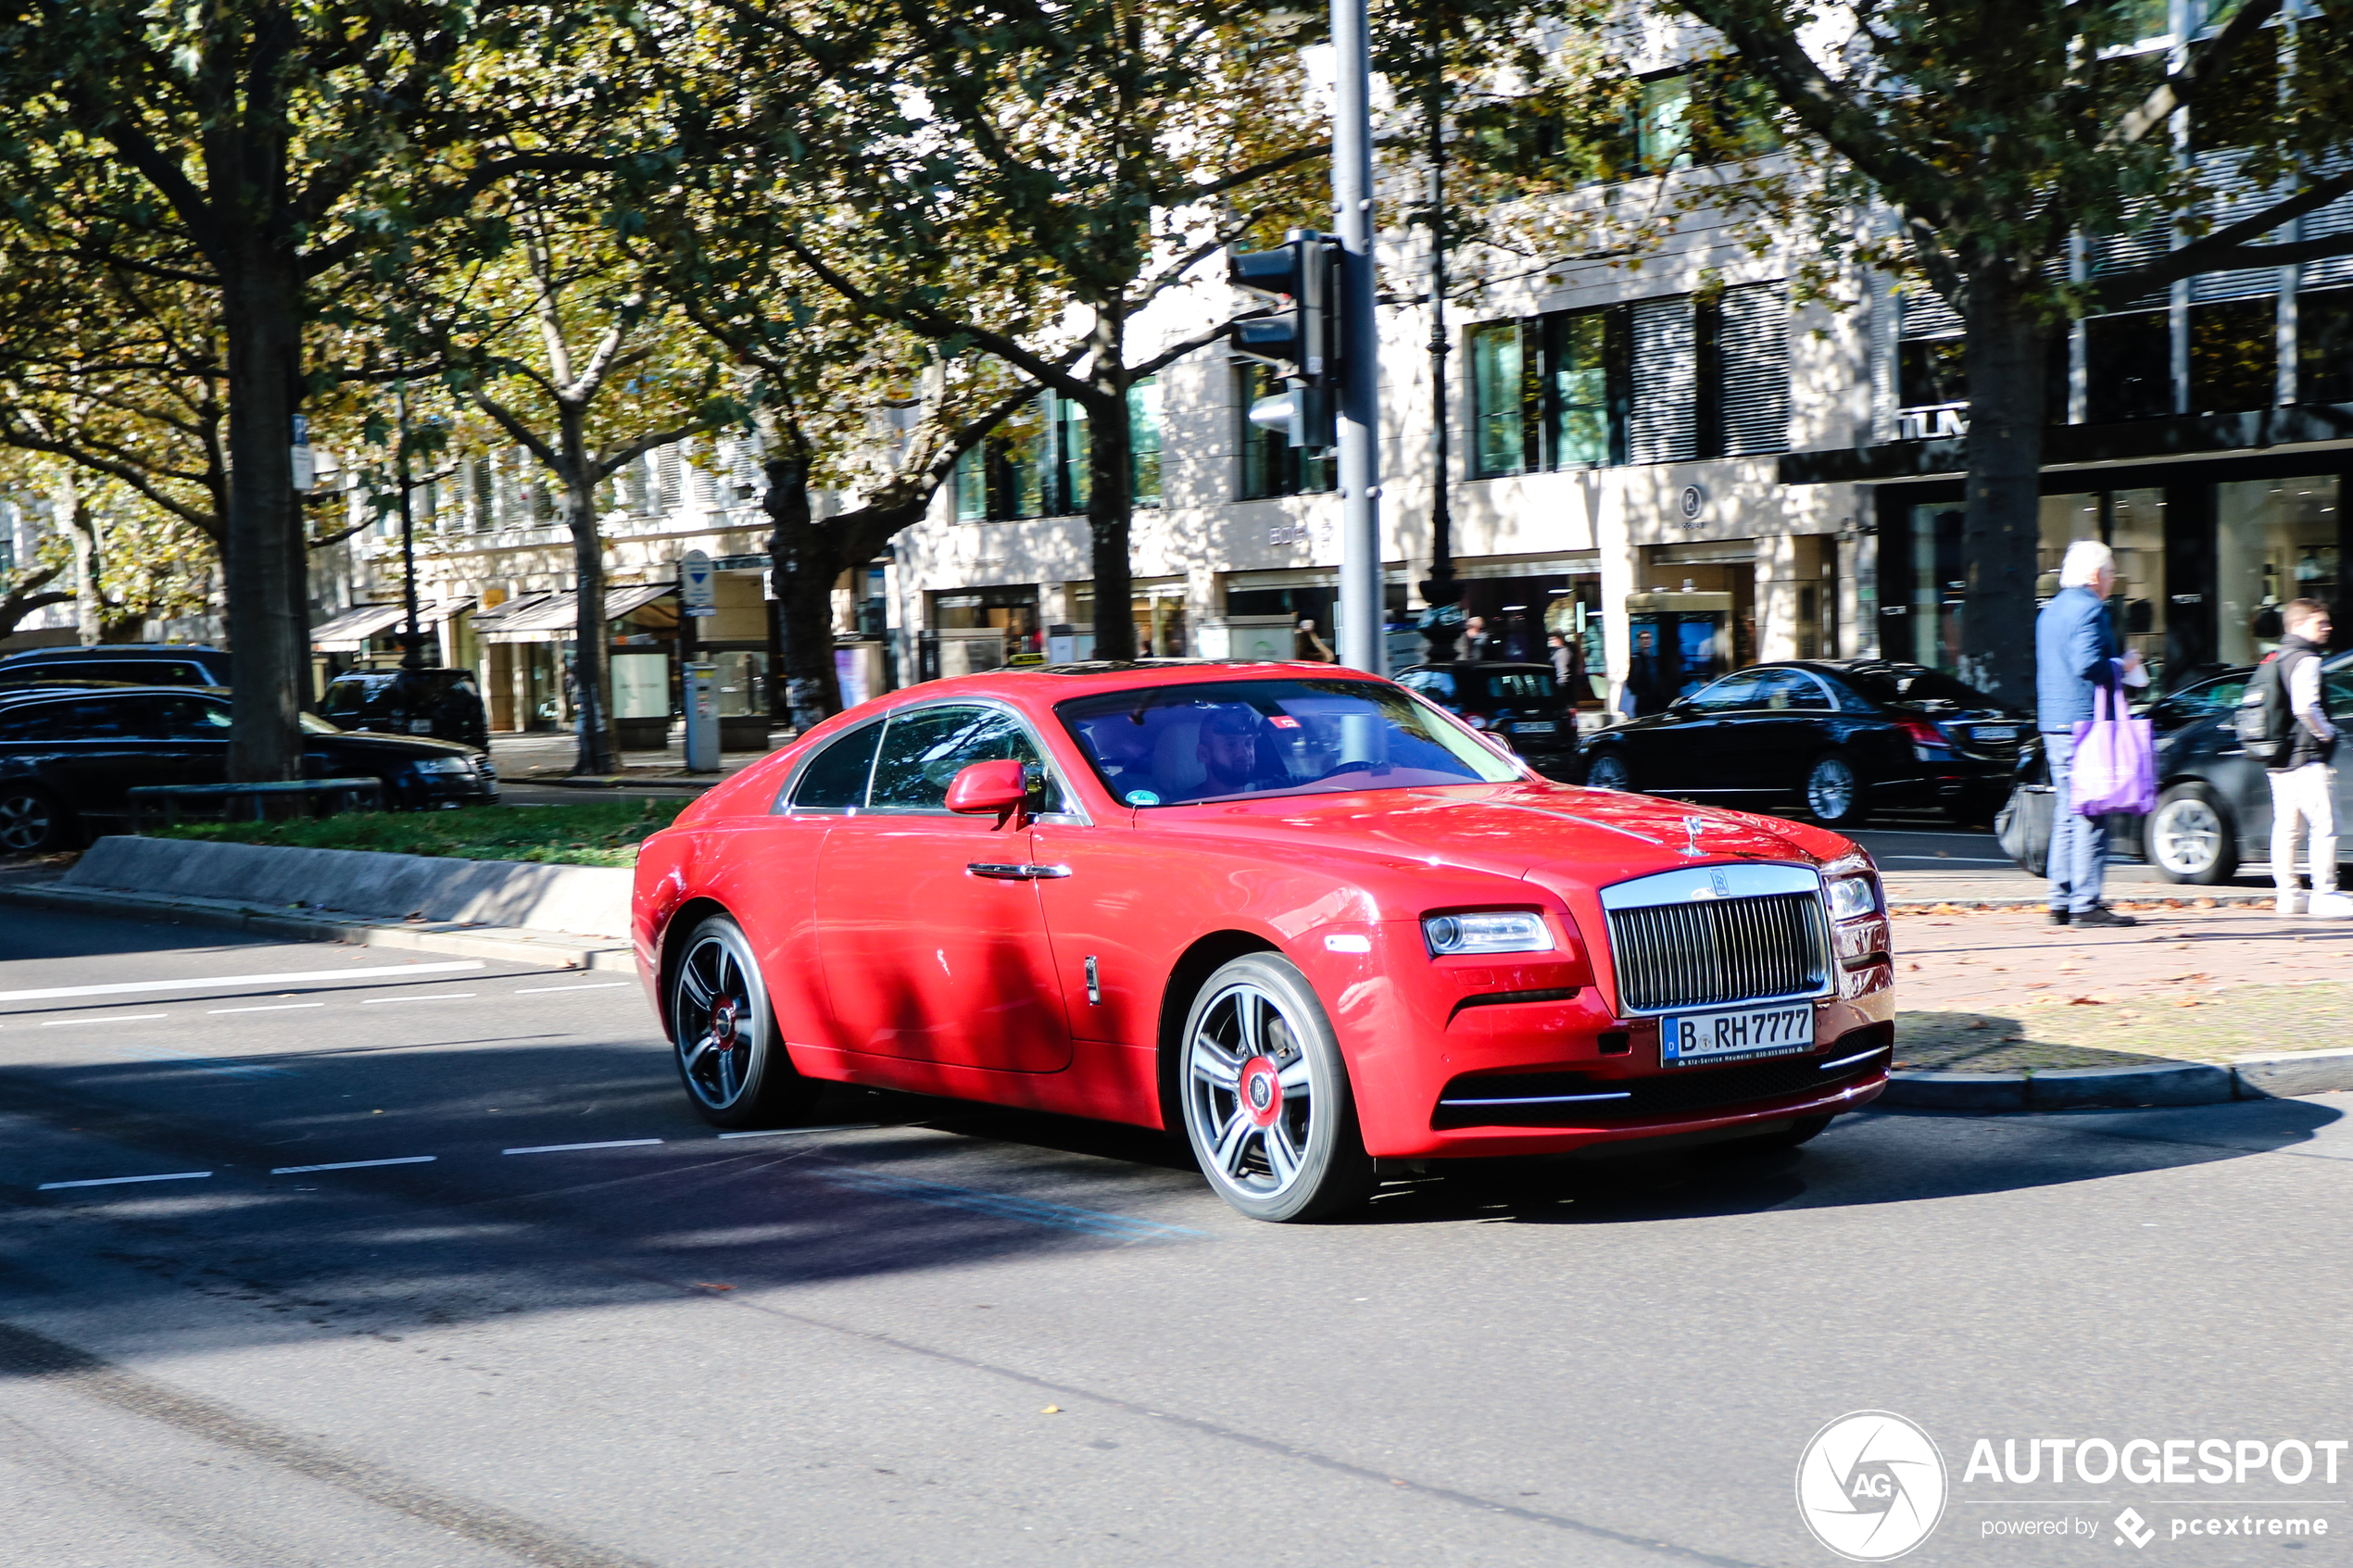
x=1871, y=1485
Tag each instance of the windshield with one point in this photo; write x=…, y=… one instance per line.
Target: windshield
x=1169, y=746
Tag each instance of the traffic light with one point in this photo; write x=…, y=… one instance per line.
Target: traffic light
x=1302, y=341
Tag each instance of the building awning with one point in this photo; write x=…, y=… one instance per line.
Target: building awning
x=555, y=618
x=351, y=631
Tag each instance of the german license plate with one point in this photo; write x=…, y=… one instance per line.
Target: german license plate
x=1692, y=1039
x=1533, y=727
x=1995, y=732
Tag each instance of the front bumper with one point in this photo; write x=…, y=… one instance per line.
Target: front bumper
x=1417, y=1030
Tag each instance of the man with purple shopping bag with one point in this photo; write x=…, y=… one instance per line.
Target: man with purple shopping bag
x=2079, y=681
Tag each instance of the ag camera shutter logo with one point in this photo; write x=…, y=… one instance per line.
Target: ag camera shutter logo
x=1871, y=1485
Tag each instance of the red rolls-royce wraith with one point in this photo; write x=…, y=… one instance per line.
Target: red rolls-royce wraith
x=1299, y=912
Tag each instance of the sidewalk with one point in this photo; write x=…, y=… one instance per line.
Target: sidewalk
x=544, y=758
x=2004, y=991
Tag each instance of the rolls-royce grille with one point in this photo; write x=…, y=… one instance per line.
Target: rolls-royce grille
x=1715, y=950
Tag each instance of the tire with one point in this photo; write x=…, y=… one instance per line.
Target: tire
x=2192, y=836
x=731, y=1056
x=31, y=823
x=1833, y=791
x=1267, y=1107
x=1607, y=770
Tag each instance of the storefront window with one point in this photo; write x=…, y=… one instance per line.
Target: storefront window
x=741, y=681
x=1939, y=580
x=2274, y=540
x=1159, y=613
x=1011, y=612
x=2132, y=523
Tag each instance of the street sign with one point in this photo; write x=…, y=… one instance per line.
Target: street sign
x=698, y=584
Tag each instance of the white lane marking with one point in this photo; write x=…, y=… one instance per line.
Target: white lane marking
x=274, y=1006
x=354, y=1164
x=386, y=1002
x=568, y=1148
x=118, y=1017
x=802, y=1132
x=599, y=985
x=128, y=985
x=118, y=1181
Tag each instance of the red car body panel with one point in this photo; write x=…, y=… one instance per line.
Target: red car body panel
x=889, y=965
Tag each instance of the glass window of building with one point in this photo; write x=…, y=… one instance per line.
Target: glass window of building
x=2233, y=354
x=1663, y=130
x=1143, y=439
x=1271, y=465
x=2274, y=540
x=2129, y=364
x=1499, y=399
x=2324, y=345
x=2133, y=524
x=1585, y=413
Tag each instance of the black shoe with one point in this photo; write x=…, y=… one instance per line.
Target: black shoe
x=2058, y=916
x=2100, y=914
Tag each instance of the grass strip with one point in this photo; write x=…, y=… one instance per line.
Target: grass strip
x=595, y=834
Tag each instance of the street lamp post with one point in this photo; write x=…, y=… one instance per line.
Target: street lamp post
x=1443, y=618
x=1360, y=562
x=412, y=640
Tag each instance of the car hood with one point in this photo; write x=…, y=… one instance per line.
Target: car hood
x=364, y=743
x=1559, y=836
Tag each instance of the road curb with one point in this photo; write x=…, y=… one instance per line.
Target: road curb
x=1924, y=906
x=2081, y=1089
x=513, y=944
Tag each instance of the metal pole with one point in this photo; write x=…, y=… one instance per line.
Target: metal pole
x=1441, y=594
x=1360, y=601
x=412, y=640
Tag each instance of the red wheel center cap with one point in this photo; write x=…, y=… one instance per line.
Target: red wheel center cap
x=723, y=1022
x=1261, y=1091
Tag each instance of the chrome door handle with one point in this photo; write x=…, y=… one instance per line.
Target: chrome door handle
x=1001, y=873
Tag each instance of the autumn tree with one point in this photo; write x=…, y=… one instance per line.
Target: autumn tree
x=1995, y=132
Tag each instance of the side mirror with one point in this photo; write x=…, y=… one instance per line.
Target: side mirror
x=988, y=789
x=1498, y=743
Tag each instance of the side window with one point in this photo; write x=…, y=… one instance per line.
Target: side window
x=1786, y=690
x=1736, y=690
x=191, y=719
x=924, y=751
x=37, y=721
x=97, y=719
x=836, y=779
x=177, y=675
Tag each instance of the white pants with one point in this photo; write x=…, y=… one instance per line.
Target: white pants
x=2301, y=798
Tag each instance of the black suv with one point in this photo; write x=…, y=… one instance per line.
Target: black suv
x=1523, y=703
x=70, y=752
x=146, y=664
x=444, y=704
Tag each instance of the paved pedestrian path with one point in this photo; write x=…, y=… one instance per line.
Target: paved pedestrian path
x=2002, y=991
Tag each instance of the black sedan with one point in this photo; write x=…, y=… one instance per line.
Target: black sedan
x=69, y=753
x=1523, y=703
x=1839, y=737
x=2214, y=804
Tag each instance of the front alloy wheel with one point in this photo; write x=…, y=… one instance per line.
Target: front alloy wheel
x=1832, y=792
x=2190, y=837
x=1608, y=771
x=30, y=823
x=730, y=1057
x=1266, y=1101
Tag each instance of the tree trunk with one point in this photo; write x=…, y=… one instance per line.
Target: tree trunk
x=1110, y=515
x=261, y=312
x=804, y=561
x=2001, y=528
x=89, y=598
x=595, y=732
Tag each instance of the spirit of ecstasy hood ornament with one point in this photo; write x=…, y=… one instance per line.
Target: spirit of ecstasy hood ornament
x=1693, y=828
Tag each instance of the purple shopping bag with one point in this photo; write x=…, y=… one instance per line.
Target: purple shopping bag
x=2115, y=767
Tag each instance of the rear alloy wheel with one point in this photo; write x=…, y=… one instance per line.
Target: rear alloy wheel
x=30, y=823
x=1608, y=771
x=730, y=1055
x=1267, y=1108
x=2191, y=836
x=1832, y=792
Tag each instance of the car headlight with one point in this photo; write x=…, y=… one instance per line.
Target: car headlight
x=444, y=765
x=1498, y=931
x=1853, y=895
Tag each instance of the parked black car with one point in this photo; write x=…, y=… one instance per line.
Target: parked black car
x=1840, y=737
x=1523, y=703
x=146, y=664
x=445, y=704
x=69, y=753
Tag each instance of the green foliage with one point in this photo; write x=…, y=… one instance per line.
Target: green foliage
x=603, y=833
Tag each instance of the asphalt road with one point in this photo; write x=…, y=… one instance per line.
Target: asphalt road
x=572, y=1325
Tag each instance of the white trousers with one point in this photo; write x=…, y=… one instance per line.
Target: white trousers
x=2304, y=799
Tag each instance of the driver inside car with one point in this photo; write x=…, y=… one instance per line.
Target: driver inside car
x=1233, y=761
